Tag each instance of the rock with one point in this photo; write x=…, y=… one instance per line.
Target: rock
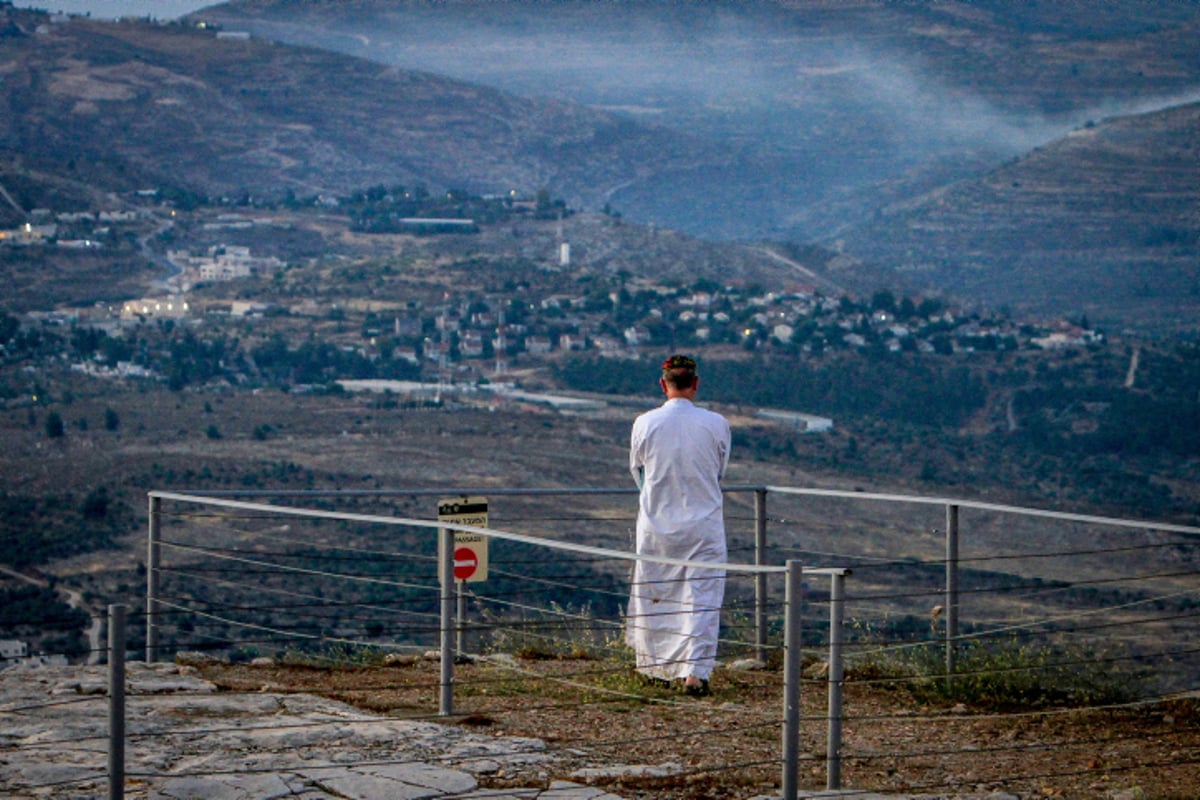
x=400, y=660
x=1135, y=793
x=629, y=771
x=195, y=742
x=194, y=659
x=565, y=790
x=817, y=671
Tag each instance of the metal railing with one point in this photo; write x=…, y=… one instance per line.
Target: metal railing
x=1131, y=582
x=951, y=508
x=793, y=572
x=448, y=626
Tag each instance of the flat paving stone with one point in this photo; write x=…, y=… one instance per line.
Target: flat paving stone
x=187, y=741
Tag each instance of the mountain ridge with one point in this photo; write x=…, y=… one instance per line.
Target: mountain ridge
x=144, y=104
x=109, y=107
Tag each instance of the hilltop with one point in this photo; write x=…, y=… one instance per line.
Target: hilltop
x=223, y=730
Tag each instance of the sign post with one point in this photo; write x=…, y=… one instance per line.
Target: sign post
x=470, y=549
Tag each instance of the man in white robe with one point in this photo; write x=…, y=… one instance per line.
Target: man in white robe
x=678, y=454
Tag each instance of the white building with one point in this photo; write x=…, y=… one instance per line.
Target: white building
x=808, y=423
x=470, y=345
x=637, y=335
x=225, y=263
x=13, y=649
x=157, y=307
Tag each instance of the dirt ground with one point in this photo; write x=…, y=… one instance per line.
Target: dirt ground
x=596, y=714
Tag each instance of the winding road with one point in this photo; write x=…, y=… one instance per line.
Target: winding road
x=74, y=600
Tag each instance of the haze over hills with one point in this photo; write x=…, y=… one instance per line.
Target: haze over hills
x=840, y=96
x=825, y=119
x=892, y=133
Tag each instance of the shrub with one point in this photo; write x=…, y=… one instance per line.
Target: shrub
x=1003, y=675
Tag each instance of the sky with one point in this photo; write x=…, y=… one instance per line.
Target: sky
x=111, y=9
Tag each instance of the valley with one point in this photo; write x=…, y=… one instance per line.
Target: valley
x=208, y=239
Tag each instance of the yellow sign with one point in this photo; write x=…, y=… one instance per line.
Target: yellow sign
x=470, y=549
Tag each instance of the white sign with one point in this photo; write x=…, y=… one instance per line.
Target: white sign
x=470, y=549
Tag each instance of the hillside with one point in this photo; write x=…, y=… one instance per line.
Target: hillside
x=837, y=117
x=1100, y=223
x=123, y=106
x=892, y=133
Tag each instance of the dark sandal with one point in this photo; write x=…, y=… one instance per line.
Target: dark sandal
x=657, y=683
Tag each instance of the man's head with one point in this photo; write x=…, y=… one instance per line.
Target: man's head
x=679, y=376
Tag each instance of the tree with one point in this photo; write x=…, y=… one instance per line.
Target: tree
x=10, y=326
x=883, y=301
x=54, y=425
x=95, y=505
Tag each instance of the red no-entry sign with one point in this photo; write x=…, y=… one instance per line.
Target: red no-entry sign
x=465, y=563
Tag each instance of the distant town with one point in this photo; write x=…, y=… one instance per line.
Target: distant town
x=480, y=336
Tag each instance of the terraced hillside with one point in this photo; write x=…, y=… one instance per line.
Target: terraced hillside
x=1101, y=223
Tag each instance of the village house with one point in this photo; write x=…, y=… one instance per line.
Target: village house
x=13, y=650
x=572, y=342
x=28, y=234
x=155, y=307
x=470, y=345
x=223, y=263
x=608, y=346
x=637, y=335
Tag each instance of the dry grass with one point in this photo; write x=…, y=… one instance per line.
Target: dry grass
x=596, y=714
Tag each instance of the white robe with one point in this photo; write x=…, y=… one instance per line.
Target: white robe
x=678, y=454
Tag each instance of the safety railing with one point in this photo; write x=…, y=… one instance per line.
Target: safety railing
x=451, y=588
x=361, y=569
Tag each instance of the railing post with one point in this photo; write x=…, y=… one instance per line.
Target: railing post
x=153, y=559
x=760, y=578
x=460, y=619
x=837, y=676
x=446, y=578
x=116, y=702
x=791, y=679
x=951, y=590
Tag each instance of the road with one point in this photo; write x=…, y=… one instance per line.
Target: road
x=74, y=600
x=173, y=271
x=9, y=199
x=819, y=281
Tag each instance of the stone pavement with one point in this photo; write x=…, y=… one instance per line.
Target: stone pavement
x=187, y=742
